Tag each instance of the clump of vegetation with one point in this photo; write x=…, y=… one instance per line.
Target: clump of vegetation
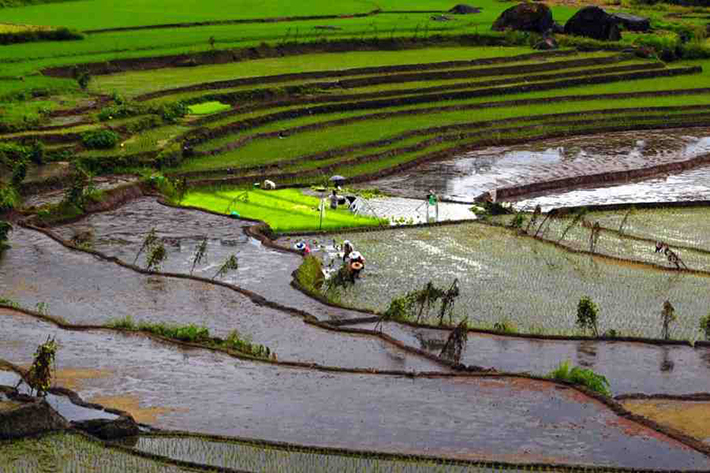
x=581, y=376
x=5, y=229
x=668, y=316
x=310, y=274
x=705, y=326
x=100, y=139
x=156, y=256
x=173, y=112
x=417, y=304
x=505, y=326
x=195, y=334
x=231, y=264
x=9, y=197
x=39, y=377
x=456, y=343
x=199, y=254
x=588, y=315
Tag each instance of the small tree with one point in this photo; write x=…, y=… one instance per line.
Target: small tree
x=705, y=326
x=83, y=80
x=199, y=254
x=156, y=256
x=669, y=316
x=5, y=229
x=232, y=264
x=456, y=343
x=587, y=315
x=39, y=377
x=148, y=242
x=19, y=172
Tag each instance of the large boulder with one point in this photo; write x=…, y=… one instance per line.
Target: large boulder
x=29, y=418
x=593, y=22
x=632, y=22
x=109, y=429
x=535, y=17
x=463, y=9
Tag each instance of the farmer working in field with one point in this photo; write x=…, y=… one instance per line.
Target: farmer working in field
x=347, y=249
x=356, y=264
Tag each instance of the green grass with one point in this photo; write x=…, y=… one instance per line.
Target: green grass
x=581, y=376
x=150, y=140
x=284, y=210
x=207, y=108
x=141, y=82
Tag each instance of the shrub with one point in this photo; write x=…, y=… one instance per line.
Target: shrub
x=9, y=198
x=83, y=80
x=310, y=274
x=99, y=139
x=169, y=156
x=172, y=112
x=122, y=110
x=35, y=152
x=705, y=326
x=19, y=172
x=5, y=229
x=518, y=221
x=587, y=315
x=581, y=376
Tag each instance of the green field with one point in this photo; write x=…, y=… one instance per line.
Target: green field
x=286, y=210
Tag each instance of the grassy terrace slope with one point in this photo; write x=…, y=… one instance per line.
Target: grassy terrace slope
x=364, y=121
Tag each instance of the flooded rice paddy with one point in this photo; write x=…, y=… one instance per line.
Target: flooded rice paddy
x=209, y=392
x=69, y=453
x=465, y=177
x=629, y=367
x=266, y=272
x=529, y=283
x=684, y=186
x=39, y=273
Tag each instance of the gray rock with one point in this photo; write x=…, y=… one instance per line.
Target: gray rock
x=632, y=22
x=536, y=17
x=593, y=22
x=29, y=419
x=109, y=429
x=463, y=9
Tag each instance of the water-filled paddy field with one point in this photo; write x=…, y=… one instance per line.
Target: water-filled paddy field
x=534, y=285
x=212, y=393
x=629, y=367
x=467, y=176
x=86, y=290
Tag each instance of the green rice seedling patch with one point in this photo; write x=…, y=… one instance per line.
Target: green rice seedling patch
x=19, y=28
x=141, y=82
x=207, y=108
x=266, y=151
x=284, y=210
x=572, y=233
x=531, y=283
x=254, y=457
x=682, y=226
x=66, y=453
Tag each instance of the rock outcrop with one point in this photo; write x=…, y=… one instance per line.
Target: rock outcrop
x=593, y=22
x=536, y=17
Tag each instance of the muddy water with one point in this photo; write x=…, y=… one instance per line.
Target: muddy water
x=685, y=186
x=61, y=404
x=462, y=417
x=264, y=271
x=464, y=177
x=85, y=290
x=54, y=197
x=629, y=367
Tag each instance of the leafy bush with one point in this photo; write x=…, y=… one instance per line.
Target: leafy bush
x=581, y=376
x=587, y=315
x=122, y=110
x=172, y=112
x=35, y=152
x=169, y=156
x=83, y=80
x=5, y=229
x=310, y=274
x=19, y=172
x=30, y=35
x=705, y=326
x=99, y=139
x=11, y=153
x=9, y=198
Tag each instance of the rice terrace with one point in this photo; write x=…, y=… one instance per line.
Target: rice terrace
x=404, y=236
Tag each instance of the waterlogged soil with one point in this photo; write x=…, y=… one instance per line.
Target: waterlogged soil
x=530, y=284
x=248, y=457
x=262, y=270
x=684, y=226
x=62, y=404
x=70, y=453
x=613, y=244
x=209, y=392
x=690, y=417
x=648, y=369
x=467, y=176
x=685, y=186
x=54, y=197
x=39, y=273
